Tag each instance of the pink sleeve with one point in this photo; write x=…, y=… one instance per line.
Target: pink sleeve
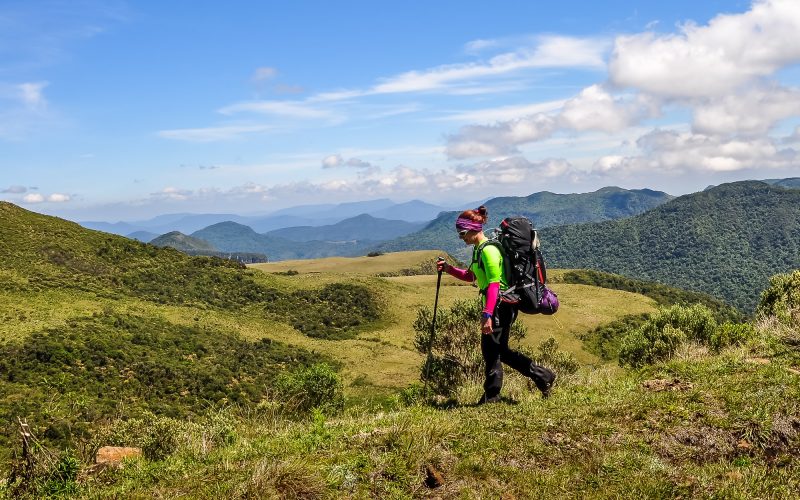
x=492, y=292
x=462, y=274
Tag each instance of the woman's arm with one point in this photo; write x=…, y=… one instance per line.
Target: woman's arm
x=462, y=274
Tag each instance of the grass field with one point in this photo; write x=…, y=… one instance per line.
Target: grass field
x=384, y=359
x=378, y=361
x=700, y=425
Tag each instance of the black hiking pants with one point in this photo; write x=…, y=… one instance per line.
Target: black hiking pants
x=496, y=352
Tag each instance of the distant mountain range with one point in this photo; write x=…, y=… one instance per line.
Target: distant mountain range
x=361, y=227
x=306, y=215
x=545, y=209
x=234, y=237
x=725, y=241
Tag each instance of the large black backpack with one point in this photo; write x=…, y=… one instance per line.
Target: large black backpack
x=524, y=267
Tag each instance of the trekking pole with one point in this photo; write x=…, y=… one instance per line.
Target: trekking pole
x=433, y=329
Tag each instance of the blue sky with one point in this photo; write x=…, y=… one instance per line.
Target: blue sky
x=115, y=110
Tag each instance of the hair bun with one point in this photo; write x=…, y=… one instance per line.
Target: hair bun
x=483, y=213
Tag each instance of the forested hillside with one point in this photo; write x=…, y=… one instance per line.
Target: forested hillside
x=544, y=209
x=726, y=241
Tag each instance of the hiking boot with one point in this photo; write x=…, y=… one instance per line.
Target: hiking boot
x=546, y=387
x=484, y=400
x=543, y=378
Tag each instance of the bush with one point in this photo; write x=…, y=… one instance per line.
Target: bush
x=782, y=299
x=456, y=351
x=660, y=336
x=731, y=334
x=120, y=365
x=317, y=387
x=374, y=254
x=548, y=355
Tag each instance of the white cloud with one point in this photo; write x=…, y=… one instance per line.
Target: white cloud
x=793, y=137
x=332, y=161
x=174, y=194
x=476, y=46
x=291, y=109
x=33, y=198
x=15, y=190
x=593, y=109
x=686, y=152
x=31, y=94
x=501, y=138
x=551, y=51
x=365, y=168
x=212, y=134
x=710, y=60
x=264, y=73
x=752, y=112
x=516, y=170
x=58, y=198
x=505, y=113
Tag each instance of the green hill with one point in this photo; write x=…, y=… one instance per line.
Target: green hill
x=115, y=324
x=725, y=241
x=106, y=341
x=233, y=237
x=545, y=209
x=180, y=241
x=360, y=227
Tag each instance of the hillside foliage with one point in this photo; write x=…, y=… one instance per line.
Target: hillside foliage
x=726, y=241
x=545, y=209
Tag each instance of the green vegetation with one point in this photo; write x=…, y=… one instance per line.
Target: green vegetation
x=697, y=426
x=726, y=241
x=180, y=241
x=234, y=237
x=663, y=295
x=661, y=335
x=362, y=227
x=107, y=342
x=544, y=209
x=333, y=312
x=317, y=387
x=427, y=266
x=782, y=299
x=121, y=365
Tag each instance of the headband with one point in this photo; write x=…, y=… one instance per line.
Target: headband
x=464, y=224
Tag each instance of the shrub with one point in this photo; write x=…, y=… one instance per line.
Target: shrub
x=782, y=299
x=456, y=350
x=661, y=335
x=161, y=439
x=316, y=387
x=731, y=334
x=548, y=355
x=374, y=254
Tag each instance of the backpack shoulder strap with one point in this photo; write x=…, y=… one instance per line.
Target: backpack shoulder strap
x=479, y=252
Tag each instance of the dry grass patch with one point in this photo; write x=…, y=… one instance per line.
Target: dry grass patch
x=385, y=263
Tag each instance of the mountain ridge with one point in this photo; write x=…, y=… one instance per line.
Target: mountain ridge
x=725, y=241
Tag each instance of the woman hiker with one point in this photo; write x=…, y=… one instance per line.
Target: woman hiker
x=497, y=316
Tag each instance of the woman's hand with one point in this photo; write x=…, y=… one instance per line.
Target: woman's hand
x=442, y=265
x=486, y=326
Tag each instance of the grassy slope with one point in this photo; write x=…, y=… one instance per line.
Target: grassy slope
x=393, y=362
x=726, y=428
x=729, y=428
